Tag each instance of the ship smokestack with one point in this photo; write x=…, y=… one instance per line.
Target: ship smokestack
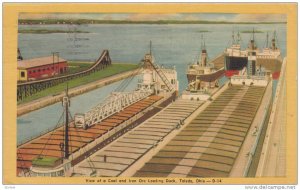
x=252, y=44
x=204, y=58
x=203, y=53
x=274, y=41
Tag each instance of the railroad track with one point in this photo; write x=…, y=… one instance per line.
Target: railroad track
x=29, y=88
x=209, y=145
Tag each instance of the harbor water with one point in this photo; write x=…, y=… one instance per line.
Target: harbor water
x=176, y=45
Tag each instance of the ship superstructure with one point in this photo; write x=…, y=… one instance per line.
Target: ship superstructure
x=202, y=77
x=270, y=52
x=157, y=79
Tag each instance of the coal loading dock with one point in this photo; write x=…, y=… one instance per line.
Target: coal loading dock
x=210, y=144
x=118, y=156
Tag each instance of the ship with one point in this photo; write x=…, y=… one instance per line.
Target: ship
x=261, y=66
x=202, y=77
x=55, y=153
x=203, y=70
x=236, y=59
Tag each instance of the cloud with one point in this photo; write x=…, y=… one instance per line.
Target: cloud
x=260, y=18
x=151, y=17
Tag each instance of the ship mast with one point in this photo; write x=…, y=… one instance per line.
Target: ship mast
x=233, y=39
x=274, y=41
x=267, y=45
x=66, y=104
x=238, y=37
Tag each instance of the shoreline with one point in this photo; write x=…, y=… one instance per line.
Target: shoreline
x=49, y=100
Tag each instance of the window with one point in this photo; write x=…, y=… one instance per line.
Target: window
x=38, y=70
x=22, y=74
x=33, y=71
x=29, y=72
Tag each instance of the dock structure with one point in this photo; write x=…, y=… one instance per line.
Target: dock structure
x=209, y=145
x=28, y=88
x=272, y=161
x=118, y=156
x=81, y=140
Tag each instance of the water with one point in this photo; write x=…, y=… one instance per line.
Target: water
x=177, y=45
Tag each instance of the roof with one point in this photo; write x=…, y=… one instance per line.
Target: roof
x=29, y=63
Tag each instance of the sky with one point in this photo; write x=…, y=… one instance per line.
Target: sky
x=154, y=17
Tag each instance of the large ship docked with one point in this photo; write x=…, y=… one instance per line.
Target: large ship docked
x=55, y=153
x=202, y=77
x=236, y=59
x=204, y=71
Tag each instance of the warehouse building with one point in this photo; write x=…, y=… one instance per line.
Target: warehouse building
x=42, y=67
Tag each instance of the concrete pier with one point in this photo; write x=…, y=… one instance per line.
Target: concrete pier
x=272, y=162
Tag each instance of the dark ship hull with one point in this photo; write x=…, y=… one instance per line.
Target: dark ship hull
x=235, y=63
x=206, y=77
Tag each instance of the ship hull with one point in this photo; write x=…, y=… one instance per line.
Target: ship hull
x=207, y=77
x=235, y=63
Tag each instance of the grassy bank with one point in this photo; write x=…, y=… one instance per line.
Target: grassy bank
x=76, y=66
x=109, y=71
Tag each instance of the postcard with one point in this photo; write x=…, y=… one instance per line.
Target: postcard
x=150, y=93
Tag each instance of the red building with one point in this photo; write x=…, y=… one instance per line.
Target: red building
x=42, y=67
